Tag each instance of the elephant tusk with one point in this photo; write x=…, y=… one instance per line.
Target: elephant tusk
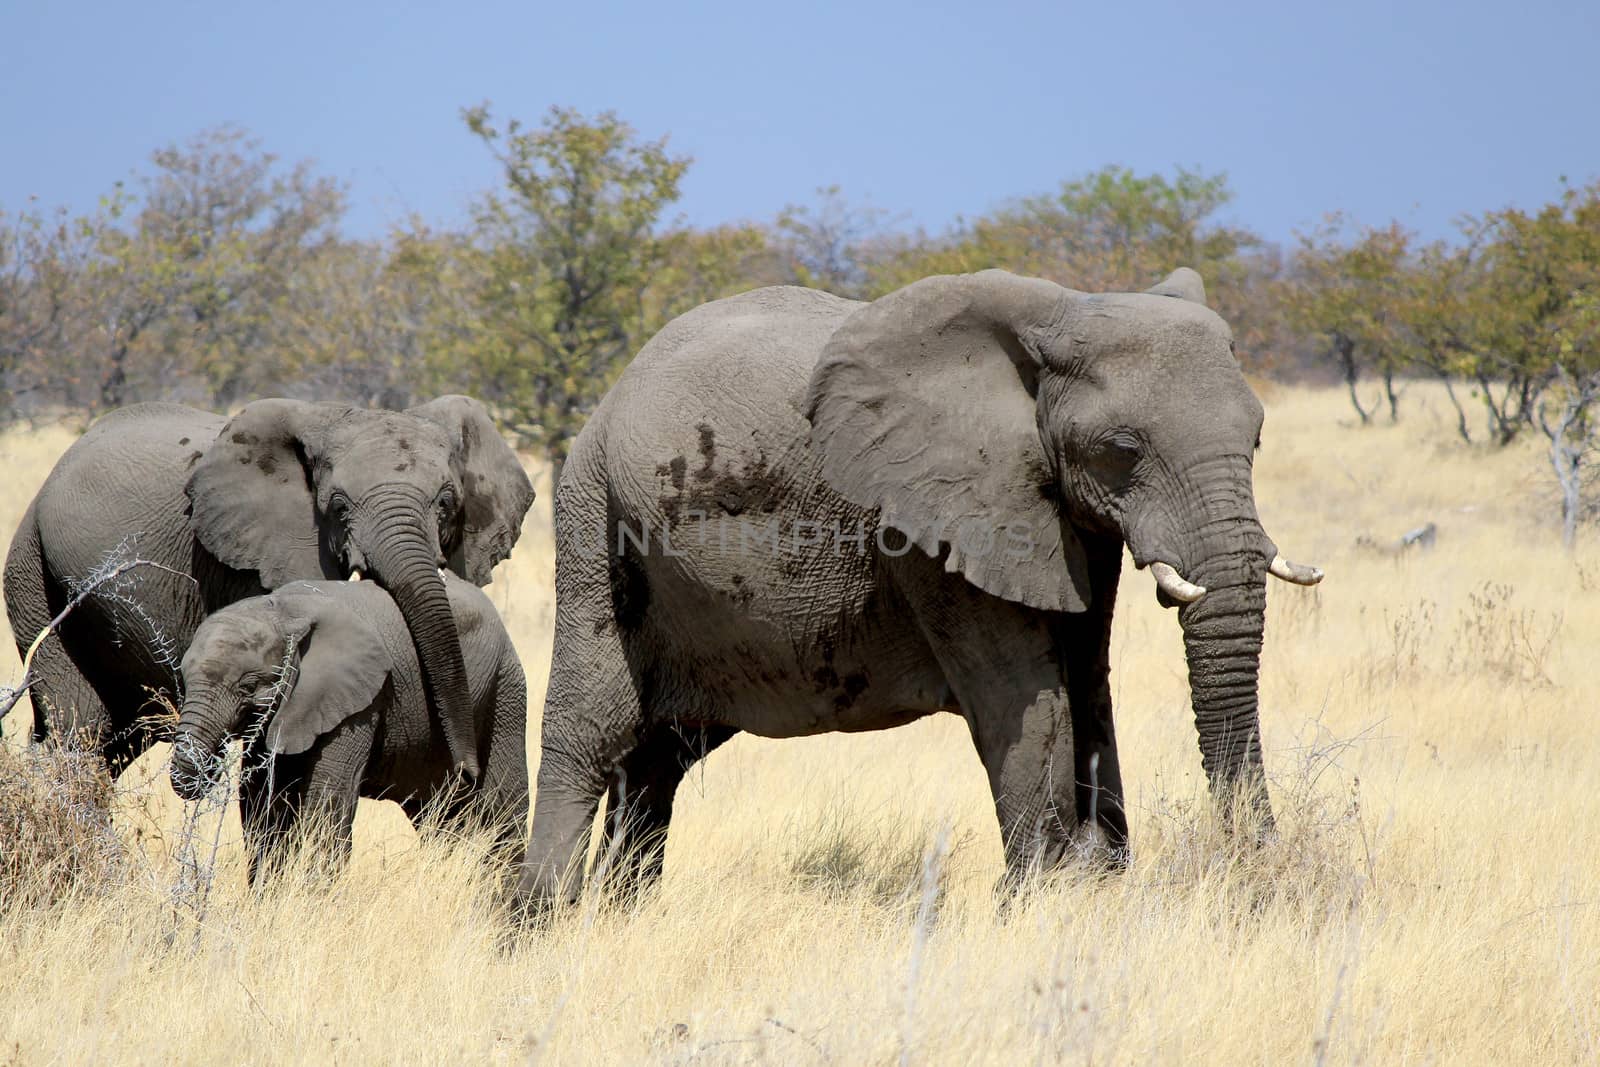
x=355, y=576
x=1170, y=582
x=1298, y=573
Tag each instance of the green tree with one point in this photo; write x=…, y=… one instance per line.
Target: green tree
x=194, y=283
x=567, y=254
x=1438, y=300
x=1110, y=230
x=1117, y=230
x=1347, y=292
x=43, y=316
x=174, y=287
x=1544, y=270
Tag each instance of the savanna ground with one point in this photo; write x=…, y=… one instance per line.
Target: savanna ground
x=1431, y=735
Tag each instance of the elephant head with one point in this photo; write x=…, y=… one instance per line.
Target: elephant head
x=301, y=656
x=965, y=405
x=304, y=490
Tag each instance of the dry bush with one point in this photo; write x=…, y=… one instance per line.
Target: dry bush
x=56, y=837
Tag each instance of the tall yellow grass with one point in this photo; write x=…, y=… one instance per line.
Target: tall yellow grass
x=1431, y=730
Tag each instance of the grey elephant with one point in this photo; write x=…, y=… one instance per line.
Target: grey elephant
x=795, y=514
x=236, y=507
x=322, y=680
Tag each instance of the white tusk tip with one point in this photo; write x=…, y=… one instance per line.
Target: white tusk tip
x=1298, y=573
x=1170, y=582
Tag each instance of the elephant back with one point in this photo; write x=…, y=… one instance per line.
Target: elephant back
x=118, y=491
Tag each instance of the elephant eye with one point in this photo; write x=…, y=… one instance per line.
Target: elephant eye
x=1115, y=457
x=1124, y=445
x=446, y=506
x=338, y=505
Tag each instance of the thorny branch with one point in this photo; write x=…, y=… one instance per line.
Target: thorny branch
x=114, y=567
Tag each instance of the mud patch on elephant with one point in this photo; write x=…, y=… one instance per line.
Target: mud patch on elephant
x=708, y=451
x=674, y=471
x=757, y=488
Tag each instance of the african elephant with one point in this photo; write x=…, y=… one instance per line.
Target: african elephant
x=235, y=507
x=735, y=530
x=323, y=682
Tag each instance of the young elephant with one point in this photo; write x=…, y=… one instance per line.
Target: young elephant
x=323, y=681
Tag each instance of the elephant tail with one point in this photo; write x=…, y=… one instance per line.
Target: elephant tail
x=27, y=590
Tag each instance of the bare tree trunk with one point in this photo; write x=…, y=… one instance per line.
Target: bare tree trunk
x=114, y=386
x=1569, y=442
x=1345, y=350
x=1455, y=402
x=1389, y=394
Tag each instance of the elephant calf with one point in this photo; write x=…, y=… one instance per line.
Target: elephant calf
x=323, y=682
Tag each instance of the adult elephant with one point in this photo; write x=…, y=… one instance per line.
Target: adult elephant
x=236, y=507
x=734, y=536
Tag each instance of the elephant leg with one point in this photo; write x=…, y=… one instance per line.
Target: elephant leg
x=116, y=718
x=332, y=789
x=1025, y=741
x=65, y=703
x=287, y=803
x=639, y=808
x=270, y=793
x=1007, y=665
x=592, y=715
x=1086, y=651
x=1100, y=799
x=503, y=792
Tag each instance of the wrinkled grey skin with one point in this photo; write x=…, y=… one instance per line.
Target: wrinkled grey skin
x=322, y=680
x=284, y=490
x=1096, y=421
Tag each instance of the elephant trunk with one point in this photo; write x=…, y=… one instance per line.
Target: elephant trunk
x=1226, y=557
x=207, y=718
x=1222, y=640
x=404, y=558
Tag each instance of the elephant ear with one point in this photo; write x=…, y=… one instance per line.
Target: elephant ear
x=923, y=406
x=343, y=665
x=1184, y=283
x=251, y=501
x=496, y=492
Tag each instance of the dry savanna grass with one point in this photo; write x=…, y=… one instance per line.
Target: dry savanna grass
x=1431, y=734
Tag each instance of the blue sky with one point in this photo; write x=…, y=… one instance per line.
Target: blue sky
x=931, y=110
